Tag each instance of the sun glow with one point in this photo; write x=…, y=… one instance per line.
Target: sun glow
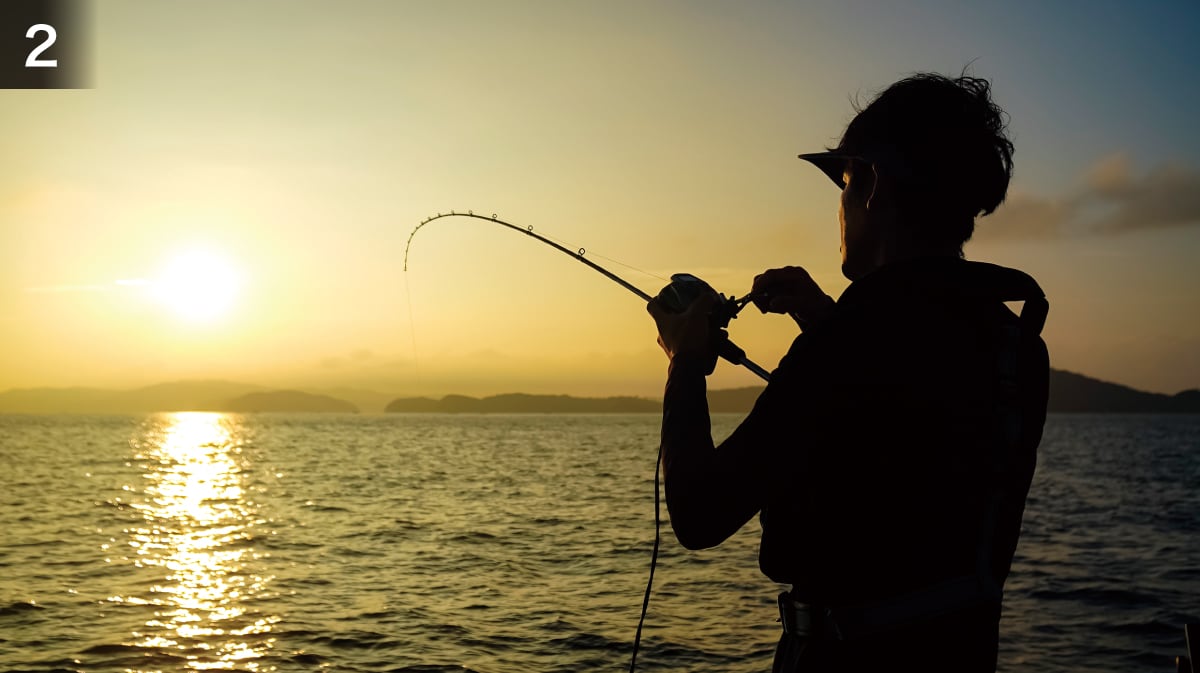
x=197, y=285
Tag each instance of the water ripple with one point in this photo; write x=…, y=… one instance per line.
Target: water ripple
x=430, y=544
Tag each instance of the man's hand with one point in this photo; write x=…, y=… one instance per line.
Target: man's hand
x=792, y=291
x=689, y=333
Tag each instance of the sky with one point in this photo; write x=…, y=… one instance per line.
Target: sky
x=233, y=197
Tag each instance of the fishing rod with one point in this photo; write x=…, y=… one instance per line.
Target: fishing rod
x=677, y=296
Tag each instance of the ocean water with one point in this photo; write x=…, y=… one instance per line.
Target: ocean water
x=498, y=544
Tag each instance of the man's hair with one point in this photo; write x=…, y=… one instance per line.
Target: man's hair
x=948, y=149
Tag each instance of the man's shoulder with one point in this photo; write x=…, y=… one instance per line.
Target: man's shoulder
x=948, y=277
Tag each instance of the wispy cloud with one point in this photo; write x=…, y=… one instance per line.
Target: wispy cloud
x=1167, y=196
x=360, y=357
x=1111, y=199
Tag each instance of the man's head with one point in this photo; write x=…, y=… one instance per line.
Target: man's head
x=922, y=160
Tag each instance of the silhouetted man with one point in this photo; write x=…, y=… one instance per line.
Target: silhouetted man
x=891, y=452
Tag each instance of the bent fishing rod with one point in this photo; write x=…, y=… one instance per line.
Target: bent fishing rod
x=677, y=296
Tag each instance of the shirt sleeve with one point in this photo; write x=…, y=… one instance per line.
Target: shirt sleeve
x=712, y=491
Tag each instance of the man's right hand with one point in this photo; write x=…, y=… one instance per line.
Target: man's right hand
x=689, y=332
x=792, y=291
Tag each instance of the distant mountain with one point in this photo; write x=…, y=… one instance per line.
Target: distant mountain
x=288, y=400
x=176, y=396
x=519, y=403
x=1075, y=392
x=1069, y=392
x=186, y=395
x=367, y=401
x=733, y=400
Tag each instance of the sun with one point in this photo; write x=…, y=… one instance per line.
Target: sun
x=198, y=285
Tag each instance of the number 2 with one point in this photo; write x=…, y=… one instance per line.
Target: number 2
x=51, y=35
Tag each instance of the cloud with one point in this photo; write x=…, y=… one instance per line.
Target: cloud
x=1024, y=217
x=1167, y=196
x=363, y=360
x=357, y=357
x=1112, y=199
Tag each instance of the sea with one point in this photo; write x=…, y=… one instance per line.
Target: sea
x=505, y=544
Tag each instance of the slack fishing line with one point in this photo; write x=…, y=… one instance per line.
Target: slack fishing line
x=678, y=295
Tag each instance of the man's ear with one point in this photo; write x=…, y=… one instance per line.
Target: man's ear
x=874, y=185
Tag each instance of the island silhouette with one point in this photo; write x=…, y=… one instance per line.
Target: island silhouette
x=1069, y=393
x=293, y=401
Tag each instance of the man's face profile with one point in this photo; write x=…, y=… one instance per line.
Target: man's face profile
x=852, y=216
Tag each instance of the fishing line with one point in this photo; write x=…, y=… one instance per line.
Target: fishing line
x=683, y=289
x=637, y=638
x=593, y=253
x=412, y=331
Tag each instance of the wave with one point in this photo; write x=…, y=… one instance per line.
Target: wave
x=357, y=640
x=314, y=507
x=401, y=574
x=1100, y=597
x=20, y=608
x=432, y=668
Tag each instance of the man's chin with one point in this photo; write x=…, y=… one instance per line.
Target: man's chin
x=851, y=270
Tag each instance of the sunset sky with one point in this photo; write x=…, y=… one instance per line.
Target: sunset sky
x=233, y=197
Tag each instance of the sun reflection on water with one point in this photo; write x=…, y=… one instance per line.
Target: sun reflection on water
x=198, y=529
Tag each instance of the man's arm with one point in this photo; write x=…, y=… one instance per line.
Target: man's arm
x=713, y=491
x=705, y=508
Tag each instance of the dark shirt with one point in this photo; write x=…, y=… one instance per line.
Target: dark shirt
x=868, y=452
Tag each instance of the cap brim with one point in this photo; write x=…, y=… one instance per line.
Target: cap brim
x=832, y=164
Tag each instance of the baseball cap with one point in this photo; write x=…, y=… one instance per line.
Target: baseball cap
x=832, y=164
x=881, y=158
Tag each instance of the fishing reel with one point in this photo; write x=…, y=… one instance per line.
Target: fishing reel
x=686, y=288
